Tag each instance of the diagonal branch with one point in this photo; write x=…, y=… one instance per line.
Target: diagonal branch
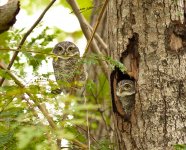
x=96, y=25
x=86, y=31
x=25, y=37
x=41, y=107
x=29, y=51
x=98, y=38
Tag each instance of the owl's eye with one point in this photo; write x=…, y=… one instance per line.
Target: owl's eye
x=71, y=48
x=59, y=48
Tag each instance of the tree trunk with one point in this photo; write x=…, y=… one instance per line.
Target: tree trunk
x=149, y=38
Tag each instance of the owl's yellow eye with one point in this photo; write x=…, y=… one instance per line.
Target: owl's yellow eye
x=59, y=48
x=71, y=48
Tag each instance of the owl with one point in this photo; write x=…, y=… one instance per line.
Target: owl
x=68, y=68
x=125, y=91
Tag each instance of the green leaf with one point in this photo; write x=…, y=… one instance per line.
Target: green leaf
x=86, y=7
x=6, y=137
x=26, y=135
x=115, y=63
x=74, y=132
x=103, y=144
x=4, y=74
x=180, y=147
x=11, y=112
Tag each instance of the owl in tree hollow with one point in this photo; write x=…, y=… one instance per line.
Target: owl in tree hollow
x=68, y=68
x=125, y=91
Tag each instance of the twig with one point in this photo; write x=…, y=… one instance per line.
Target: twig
x=29, y=51
x=100, y=110
x=96, y=25
x=84, y=130
x=87, y=33
x=25, y=37
x=98, y=38
x=30, y=106
x=41, y=107
x=87, y=123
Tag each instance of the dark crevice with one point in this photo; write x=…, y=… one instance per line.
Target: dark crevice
x=117, y=75
x=175, y=33
x=184, y=10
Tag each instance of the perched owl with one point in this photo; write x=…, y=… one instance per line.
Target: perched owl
x=68, y=68
x=125, y=91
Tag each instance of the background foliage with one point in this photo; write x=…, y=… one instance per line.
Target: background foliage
x=22, y=125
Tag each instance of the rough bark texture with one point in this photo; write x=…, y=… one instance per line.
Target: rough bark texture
x=8, y=14
x=158, y=120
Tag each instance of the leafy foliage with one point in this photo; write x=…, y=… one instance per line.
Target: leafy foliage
x=85, y=7
x=22, y=125
x=180, y=147
x=104, y=144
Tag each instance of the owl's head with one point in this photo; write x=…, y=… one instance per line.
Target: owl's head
x=125, y=88
x=66, y=49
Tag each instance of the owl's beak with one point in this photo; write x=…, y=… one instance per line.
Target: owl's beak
x=65, y=53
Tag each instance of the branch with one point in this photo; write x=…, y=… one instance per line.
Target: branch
x=25, y=37
x=30, y=106
x=84, y=130
x=35, y=52
x=41, y=107
x=98, y=38
x=96, y=25
x=29, y=51
x=87, y=33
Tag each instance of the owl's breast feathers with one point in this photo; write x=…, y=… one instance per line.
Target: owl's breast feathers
x=69, y=73
x=127, y=102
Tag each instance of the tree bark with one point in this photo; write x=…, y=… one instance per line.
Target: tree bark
x=154, y=30
x=8, y=14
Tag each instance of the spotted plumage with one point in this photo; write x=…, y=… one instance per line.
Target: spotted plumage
x=126, y=93
x=68, y=68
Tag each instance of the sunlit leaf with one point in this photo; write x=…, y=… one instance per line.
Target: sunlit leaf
x=5, y=137
x=85, y=7
x=26, y=135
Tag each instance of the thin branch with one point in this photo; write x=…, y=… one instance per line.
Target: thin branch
x=25, y=37
x=41, y=107
x=30, y=105
x=29, y=51
x=87, y=123
x=100, y=110
x=87, y=33
x=84, y=130
x=24, y=51
x=98, y=38
x=96, y=25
